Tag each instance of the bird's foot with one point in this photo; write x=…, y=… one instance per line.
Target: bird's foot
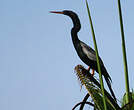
x=88, y=69
x=92, y=73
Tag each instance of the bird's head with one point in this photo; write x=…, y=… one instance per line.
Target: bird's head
x=72, y=15
x=66, y=12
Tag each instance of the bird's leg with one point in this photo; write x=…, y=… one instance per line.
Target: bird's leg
x=92, y=73
x=88, y=69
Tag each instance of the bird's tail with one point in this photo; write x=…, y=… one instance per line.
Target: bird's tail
x=108, y=81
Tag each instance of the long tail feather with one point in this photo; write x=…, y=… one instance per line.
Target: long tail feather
x=108, y=81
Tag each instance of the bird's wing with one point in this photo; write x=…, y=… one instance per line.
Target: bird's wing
x=88, y=51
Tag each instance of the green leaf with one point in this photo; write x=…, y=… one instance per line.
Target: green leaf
x=128, y=98
x=130, y=105
x=94, y=91
x=97, y=57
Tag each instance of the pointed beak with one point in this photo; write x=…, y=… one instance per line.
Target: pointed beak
x=57, y=12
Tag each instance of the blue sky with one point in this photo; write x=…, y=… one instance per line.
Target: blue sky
x=37, y=57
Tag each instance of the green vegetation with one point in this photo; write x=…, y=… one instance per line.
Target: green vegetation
x=101, y=99
x=97, y=57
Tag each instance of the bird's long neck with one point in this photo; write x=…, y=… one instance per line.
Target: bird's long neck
x=75, y=30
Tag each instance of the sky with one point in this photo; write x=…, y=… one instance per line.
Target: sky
x=37, y=57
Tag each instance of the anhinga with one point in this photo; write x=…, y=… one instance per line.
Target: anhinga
x=86, y=53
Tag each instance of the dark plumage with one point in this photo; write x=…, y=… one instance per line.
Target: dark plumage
x=86, y=53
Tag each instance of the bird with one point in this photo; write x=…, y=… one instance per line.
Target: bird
x=84, y=51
